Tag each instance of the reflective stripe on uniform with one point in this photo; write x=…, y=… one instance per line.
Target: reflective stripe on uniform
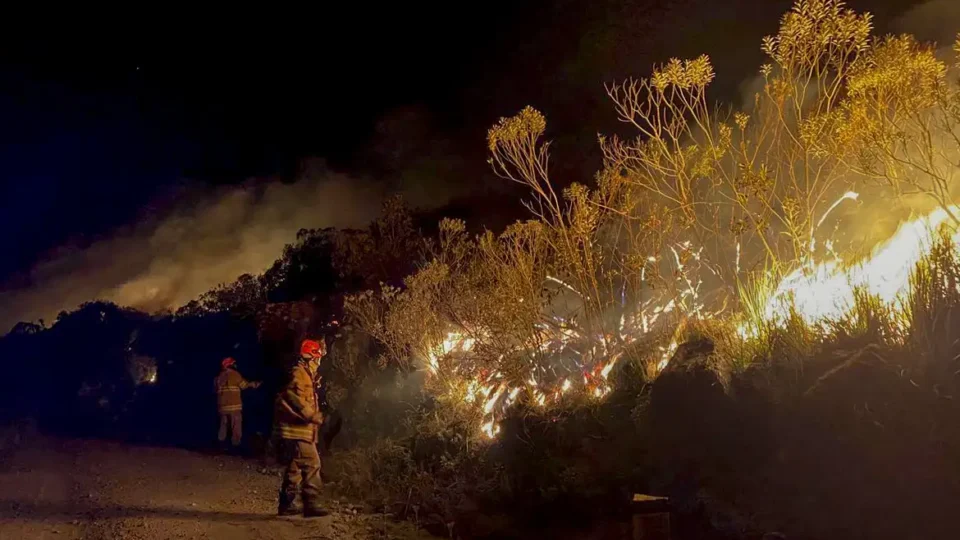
x=298, y=432
x=228, y=385
x=295, y=409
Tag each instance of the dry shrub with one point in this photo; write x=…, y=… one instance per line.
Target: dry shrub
x=699, y=200
x=432, y=474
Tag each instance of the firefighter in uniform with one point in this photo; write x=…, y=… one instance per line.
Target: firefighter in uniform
x=228, y=385
x=298, y=419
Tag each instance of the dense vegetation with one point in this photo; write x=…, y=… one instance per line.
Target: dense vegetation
x=644, y=333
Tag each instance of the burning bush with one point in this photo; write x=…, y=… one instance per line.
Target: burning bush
x=680, y=219
x=735, y=228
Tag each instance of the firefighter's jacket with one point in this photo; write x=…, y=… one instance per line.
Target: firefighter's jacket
x=296, y=410
x=228, y=385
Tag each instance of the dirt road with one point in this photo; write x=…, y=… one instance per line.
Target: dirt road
x=72, y=489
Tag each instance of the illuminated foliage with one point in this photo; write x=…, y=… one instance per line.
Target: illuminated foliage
x=699, y=199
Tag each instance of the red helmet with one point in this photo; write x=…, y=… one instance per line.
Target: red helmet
x=311, y=348
x=227, y=362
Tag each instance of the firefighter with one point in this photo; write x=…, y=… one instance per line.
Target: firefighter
x=298, y=418
x=228, y=385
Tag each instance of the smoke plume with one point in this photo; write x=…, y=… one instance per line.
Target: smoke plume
x=932, y=21
x=206, y=237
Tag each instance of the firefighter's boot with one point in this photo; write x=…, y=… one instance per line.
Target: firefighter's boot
x=314, y=510
x=288, y=504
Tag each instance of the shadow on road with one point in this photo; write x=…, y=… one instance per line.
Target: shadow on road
x=67, y=512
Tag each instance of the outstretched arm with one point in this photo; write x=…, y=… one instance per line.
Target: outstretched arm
x=244, y=384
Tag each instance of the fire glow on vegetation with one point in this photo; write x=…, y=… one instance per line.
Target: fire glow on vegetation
x=825, y=291
x=595, y=356
x=817, y=291
x=838, y=110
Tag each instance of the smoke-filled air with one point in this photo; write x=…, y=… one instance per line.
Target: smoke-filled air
x=207, y=237
x=742, y=326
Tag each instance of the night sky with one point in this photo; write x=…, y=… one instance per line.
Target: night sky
x=95, y=129
x=107, y=125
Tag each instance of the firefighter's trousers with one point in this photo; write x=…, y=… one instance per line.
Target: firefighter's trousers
x=230, y=420
x=302, y=474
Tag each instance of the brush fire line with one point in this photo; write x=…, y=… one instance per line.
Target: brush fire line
x=816, y=291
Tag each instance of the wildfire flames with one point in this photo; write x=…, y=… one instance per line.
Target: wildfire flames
x=594, y=356
x=825, y=291
x=817, y=291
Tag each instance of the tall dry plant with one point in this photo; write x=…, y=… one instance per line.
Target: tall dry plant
x=604, y=245
x=900, y=123
x=756, y=178
x=701, y=199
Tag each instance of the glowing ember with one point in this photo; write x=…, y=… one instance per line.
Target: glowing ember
x=601, y=391
x=491, y=429
x=593, y=355
x=667, y=353
x=471, y=395
x=605, y=372
x=453, y=342
x=488, y=406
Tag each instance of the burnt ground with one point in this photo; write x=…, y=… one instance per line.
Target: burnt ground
x=72, y=489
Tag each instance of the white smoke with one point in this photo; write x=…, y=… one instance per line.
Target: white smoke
x=208, y=237
x=931, y=21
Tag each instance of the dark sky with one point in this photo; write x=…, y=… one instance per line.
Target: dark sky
x=110, y=120
x=99, y=120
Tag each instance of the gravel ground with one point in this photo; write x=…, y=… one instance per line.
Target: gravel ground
x=87, y=489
